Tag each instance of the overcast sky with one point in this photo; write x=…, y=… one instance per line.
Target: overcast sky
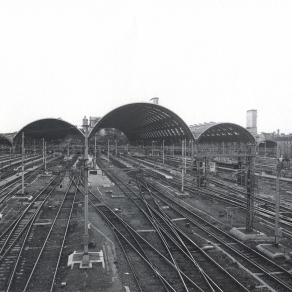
x=206, y=60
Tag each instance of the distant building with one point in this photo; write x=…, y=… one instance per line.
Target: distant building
x=155, y=100
x=93, y=121
x=84, y=123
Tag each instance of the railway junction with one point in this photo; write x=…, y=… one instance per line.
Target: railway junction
x=143, y=202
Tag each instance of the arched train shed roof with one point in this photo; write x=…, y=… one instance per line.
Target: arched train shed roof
x=210, y=133
x=49, y=129
x=145, y=122
x=6, y=140
x=267, y=143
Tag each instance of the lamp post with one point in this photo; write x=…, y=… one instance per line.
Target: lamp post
x=85, y=259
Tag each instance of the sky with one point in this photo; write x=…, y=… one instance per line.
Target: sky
x=206, y=60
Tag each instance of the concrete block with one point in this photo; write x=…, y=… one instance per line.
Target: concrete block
x=255, y=235
x=86, y=261
x=272, y=251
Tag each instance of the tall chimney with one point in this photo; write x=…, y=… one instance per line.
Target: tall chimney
x=251, y=121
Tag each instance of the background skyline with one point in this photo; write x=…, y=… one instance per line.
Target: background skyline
x=205, y=60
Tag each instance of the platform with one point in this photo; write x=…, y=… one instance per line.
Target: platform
x=241, y=234
x=99, y=180
x=270, y=176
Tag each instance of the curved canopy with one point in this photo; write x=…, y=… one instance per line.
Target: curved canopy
x=49, y=129
x=221, y=132
x=6, y=140
x=145, y=122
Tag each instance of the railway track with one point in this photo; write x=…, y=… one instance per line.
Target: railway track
x=9, y=191
x=42, y=266
x=238, y=199
x=32, y=247
x=18, y=178
x=182, y=252
x=9, y=168
x=17, y=233
x=133, y=247
x=274, y=275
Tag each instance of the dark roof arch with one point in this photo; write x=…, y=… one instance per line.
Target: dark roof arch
x=145, y=122
x=267, y=142
x=6, y=140
x=48, y=128
x=221, y=132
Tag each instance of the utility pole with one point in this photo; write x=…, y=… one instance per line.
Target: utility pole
x=10, y=156
x=192, y=152
x=163, y=151
x=108, y=150
x=116, y=147
x=85, y=259
x=22, y=163
x=152, y=148
x=95, y=158
x=45, y=155
x=198, y=172
x=43, y=151
x=277, y=199
x=182, y=169
x=250, y=188
x=185, y=156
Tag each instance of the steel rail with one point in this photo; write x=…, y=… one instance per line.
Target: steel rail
x=119, y=182
x=37, y=261
x=239, y=253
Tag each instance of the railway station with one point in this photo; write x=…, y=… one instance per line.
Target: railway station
x=141, y=201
